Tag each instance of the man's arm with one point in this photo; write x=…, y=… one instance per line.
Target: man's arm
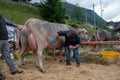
x=7, y=22
x=59, y=33
x=62, y=33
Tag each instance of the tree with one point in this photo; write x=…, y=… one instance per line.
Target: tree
x=76, y=14
x=52, y=10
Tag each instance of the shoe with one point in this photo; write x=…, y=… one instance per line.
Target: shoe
x=78, y=64
x=17, y=71
x=68, y=64
x=2, y=77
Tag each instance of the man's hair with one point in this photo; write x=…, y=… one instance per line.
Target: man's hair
x=71, y=33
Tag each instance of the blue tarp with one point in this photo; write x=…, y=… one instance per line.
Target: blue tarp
x=10, y=32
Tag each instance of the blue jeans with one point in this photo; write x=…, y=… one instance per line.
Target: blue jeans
x=4, y=47
x=75, y=52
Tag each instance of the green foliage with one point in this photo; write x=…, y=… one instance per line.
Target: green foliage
x=52, y=10
x=80, y=25
x=16, y=13
x=86, y=13
x=76, y=14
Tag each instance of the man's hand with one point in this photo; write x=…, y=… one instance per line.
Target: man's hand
x=19, y=27
x=73, y=47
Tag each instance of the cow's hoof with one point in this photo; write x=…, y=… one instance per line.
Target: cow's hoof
x=36, y=66
x=46, y=59
x=21, y=66
x=60, y=61
x=55, y=59
x=43, y=70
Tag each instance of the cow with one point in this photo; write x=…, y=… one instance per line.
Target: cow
x=24, y=45
x=103, y=35
x=41, y=32
x=100, y=35
x=116, y=25
x=116, y=47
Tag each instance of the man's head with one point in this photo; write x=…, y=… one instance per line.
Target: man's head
x=71, y=33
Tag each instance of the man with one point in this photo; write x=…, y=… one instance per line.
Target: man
x=72, y=41
x=4, y=45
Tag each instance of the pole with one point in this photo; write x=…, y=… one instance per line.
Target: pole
x=94, y=15
x=101, y=11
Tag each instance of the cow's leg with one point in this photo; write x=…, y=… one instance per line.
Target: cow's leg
x=39, y=57
x=54, y=54
x=61, y=53
x=36, y=60
x=46, y=53
x=21, y=57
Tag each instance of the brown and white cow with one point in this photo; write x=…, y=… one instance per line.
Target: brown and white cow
x=26, y=45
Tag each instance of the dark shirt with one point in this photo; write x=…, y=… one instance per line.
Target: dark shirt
x=69, y=40
x=3, y=29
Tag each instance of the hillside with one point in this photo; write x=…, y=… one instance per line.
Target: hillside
x=18, y=14
x=68, y=7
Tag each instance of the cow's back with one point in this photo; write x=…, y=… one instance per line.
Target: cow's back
x=43, y=29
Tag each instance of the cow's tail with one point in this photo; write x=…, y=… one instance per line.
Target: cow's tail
x=31, y=39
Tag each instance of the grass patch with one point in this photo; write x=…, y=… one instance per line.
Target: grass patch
x=18, y=14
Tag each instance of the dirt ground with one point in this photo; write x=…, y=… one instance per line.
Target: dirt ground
x=59, y=71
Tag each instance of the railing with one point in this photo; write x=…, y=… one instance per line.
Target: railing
x=95, y=43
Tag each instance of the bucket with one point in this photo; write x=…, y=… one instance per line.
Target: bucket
x=111, y=56
x=16, y=53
